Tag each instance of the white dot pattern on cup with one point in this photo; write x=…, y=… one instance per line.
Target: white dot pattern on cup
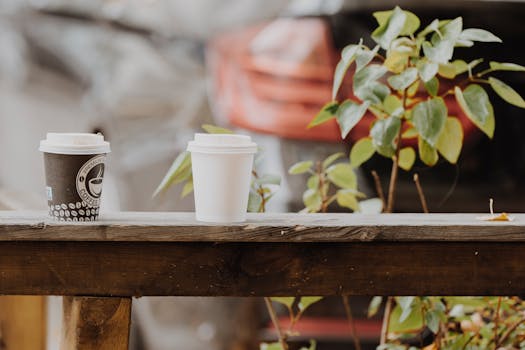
x=78, y=211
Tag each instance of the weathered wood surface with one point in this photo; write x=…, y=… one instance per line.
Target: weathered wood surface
x=182, y=227
x=22, y=323
x=135, y=254
x=96, y=323
x=255, y=269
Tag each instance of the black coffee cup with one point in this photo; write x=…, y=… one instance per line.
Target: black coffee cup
x=74, y=165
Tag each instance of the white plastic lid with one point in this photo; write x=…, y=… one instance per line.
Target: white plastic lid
x=222, y=143
x=74, y=143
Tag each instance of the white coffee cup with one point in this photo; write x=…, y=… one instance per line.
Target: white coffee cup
x=222, y=168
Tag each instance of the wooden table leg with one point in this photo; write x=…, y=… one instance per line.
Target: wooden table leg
x=96, y=323
x=22, y=322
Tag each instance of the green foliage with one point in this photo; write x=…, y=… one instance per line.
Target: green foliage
x=362, y=151
x=474, y=101
x=331, y=181
x=456, y=322
x=386, y=85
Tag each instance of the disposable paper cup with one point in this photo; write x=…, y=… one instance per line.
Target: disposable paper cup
x=74, y=165
x=222, y=167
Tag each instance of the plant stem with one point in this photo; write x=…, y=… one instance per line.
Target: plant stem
x=275, y=321
x=496, y=324
x=351, y=323
x=395, y=163
x=379, y=188
x=392, y=185
x=509, y=332
x=386, y=320
x=324, y=199
x=421, y=194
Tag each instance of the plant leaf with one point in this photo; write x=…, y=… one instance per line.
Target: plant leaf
x=374, y=305
x=427, y=70
x=427, y=153
x=347, y=57
x=347, y=199
x=413, y=323
x=254, y=202
x=286, y=301
x=384, y=133
x=176, y=173
x=403, y=80
x=212, y=129
x=447, y=70
x=412, y=22
x=391, y=104
x=349, y=114
x=271, y=346
x=451, y=139
x=407, y=157
x=312, y=200
x=429, y=119
x=390, y=29
x=506, y=92
x=432, y=320
x=325, y=114
x=300, y=167
x=432, y=86
x=305, y=302
x=362, y=151
x=365, y=84
x=332, y=158
x=506, y=66
x=313, y=182
x=441, y=48
x=364, y=57
x=474, y=34
x=342, y=175
x=188, y=188
x=268, y=179
x=474, y=101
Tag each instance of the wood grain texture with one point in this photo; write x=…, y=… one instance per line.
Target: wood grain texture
x=22, y=323
x=262, y=269
x=182, y=227
x=96, y=323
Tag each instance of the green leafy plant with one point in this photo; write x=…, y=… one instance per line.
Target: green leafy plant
x=455, y=323
x=262, y=187
x=328, y=182
x=296, y=306
x=405, y=82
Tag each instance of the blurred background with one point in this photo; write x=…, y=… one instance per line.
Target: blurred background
x=149, y=73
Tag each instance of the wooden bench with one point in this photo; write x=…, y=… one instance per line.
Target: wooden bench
x=101, y=265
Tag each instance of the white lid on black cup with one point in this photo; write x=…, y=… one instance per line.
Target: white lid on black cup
x=74, y=143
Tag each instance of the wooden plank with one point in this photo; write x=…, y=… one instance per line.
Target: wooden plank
x=96, y=323
x=262, y=269
x=22, y=323
x=182, y=227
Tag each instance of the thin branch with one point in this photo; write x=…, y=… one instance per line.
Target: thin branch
x=421, y=194
x=386, y=320
x=275, y=321
x=392, y=185
x=351, y=323
x=496, y=324
x=509, y=331
x=379, y=188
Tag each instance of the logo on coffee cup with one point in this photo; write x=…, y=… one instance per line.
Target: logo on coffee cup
x=89, y=181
